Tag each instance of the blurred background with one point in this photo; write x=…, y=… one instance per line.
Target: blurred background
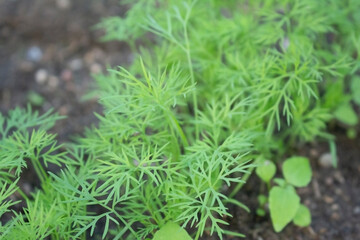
x=48, y=51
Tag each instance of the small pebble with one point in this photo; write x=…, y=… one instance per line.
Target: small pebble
x=63, y=4
x=328, y=199
x=314, y=152
x=357, y=210
x=66, y=75
x=27, y=188
x=94, y=55
x=53, y=81
x=34, y=54
x=95, y=68
x=329, y=181
x=338, y=191
x=63, y=110
x=76, y=64
x=335, y=207
x=41, y=76
x=325, y=160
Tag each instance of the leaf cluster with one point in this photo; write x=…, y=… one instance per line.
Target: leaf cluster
x=214, y=85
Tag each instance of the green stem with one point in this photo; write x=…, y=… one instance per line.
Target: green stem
x=39, y=169
x=198, y=230
x=152, y=208
x=268, y=185
x=178, y=128
x=192, y=77
x=161, y=220
x=120, y=217
x=240, y=184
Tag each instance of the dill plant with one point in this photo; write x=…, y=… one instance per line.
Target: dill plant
x=215, y=85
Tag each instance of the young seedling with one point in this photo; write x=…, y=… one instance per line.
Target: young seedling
x=284, y=202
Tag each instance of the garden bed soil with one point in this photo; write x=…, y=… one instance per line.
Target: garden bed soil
x=333, y=197
x=47, y=49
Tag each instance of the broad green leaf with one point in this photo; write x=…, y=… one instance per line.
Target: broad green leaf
x=355, y=89
x=297, y=171
x=283, y=203
x=266, y=170
x=346, y=114
x=303, y=216
x=171, y=231
x=279, y=181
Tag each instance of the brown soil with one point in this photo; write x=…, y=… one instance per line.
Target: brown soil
x=333, y=198
x=70, y=52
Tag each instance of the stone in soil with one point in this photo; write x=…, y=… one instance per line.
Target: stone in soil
x=34, y=54
x=76, y=64
x=41, y=76
x=66, y=75
x=95, y=68
x=63, y=4
x=53, y=81
x=325, y=160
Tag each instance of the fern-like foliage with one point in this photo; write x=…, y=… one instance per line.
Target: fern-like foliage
x=215, y=84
